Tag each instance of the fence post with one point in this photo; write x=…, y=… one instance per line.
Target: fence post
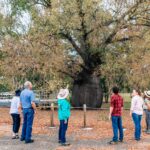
x=84, y=119
x=52, y=115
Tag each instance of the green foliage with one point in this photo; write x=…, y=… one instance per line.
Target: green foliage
x=4, y=85
x=19, y=5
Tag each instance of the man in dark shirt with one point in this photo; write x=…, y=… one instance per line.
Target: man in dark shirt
x=116, y=107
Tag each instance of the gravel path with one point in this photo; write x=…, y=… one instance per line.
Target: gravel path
x=49, y=143
x=80, y=139
x=43, y=142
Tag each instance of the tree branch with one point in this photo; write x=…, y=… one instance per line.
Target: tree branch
x=125, y=39
x=144, y=24
x=85, y=45
x=45, y=45
x=67, y=73
x=45, y=3
x=120, y=21
x=72, y=41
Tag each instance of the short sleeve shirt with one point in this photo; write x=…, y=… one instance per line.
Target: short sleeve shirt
x=117, y=104
x=14, y=105
x=26, y=98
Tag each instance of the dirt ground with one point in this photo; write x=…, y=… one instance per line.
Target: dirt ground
x=80, y=139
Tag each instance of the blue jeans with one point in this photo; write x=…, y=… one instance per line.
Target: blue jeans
x=28, y=116
x=16, y=122
x=137, y=123
x=62, y=131
x=117, y=125
x=147, y=113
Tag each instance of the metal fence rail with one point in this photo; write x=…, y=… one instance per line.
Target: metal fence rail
x=84, y=108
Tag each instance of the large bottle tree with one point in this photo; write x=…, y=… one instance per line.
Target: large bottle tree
x=88, y=30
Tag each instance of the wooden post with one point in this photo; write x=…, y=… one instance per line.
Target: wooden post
x=84, y=119
x=52, y=115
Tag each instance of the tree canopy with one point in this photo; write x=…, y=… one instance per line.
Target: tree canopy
x=77, y=40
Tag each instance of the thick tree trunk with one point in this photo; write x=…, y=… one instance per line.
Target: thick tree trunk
x=87, y=90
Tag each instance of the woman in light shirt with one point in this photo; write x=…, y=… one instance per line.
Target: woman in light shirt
x=15, y=102
x=136, y=111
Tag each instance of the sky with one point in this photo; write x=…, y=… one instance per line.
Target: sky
x=5, y=8
x=22, y=21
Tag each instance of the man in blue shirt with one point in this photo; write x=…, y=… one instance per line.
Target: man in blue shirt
x=28, y=107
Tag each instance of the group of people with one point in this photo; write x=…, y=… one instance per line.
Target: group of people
x=139, y=103
x=23, y=103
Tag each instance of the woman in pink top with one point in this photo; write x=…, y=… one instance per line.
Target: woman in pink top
x=136, y=111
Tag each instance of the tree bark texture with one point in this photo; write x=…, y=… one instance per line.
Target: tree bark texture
x=87, y=90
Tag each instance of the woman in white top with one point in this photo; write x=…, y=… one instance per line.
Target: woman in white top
x=136, y=111
x=15, y=102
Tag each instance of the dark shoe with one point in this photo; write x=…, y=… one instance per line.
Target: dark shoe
x=22, y=139
x=30, y=141
x=65, y=144
x=17, y=136
x=137, y=139
x=121, y=141
x=112, y=142
x=59, y=141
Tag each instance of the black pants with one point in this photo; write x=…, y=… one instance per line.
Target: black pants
x=16, y=122
x=62, y=131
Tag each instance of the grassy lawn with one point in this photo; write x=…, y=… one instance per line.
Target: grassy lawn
x=127, y=101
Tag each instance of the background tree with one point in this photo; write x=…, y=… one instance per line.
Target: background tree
x=87, y=32
x=139, y=63
x=93, y=32
x=128, y=67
